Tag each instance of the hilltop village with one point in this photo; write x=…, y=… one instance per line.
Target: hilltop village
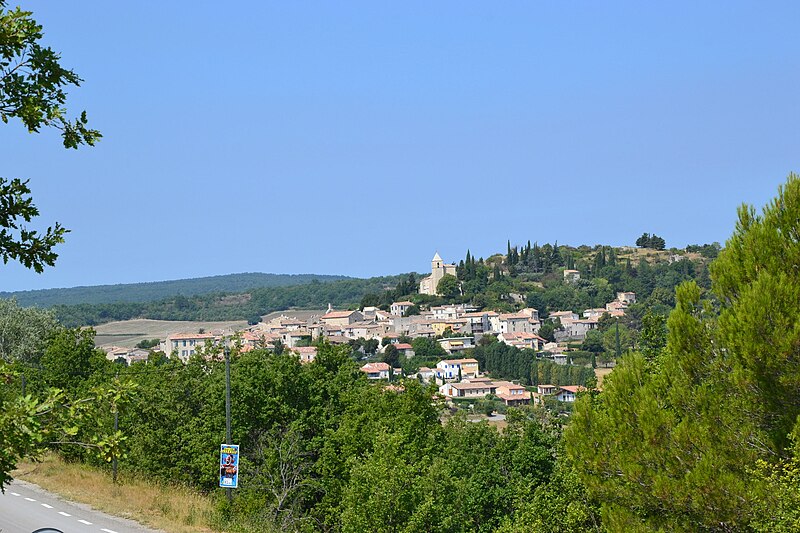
x=390, y=336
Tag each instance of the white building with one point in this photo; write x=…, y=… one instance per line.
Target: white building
x=376, y=370
x=400, y=308
x=185, y=345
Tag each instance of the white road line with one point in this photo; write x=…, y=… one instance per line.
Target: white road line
x=30, y=499
x=108, y=530
x=62, y=513
x=85, y=522
x=47, y=506
x=15, y=494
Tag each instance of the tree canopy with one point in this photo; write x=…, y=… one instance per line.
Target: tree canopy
x=673, y=441
x=32, y=89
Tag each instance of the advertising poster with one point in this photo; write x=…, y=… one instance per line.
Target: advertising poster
x=229, y=466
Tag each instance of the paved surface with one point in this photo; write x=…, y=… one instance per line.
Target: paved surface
x=497, y=417
x=26, y=507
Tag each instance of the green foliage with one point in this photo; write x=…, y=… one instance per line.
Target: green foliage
x=561, y=504
x=778, y=510
x=17, y=242
x=425, y=348
x=547, y=331
x=159, y=290
x=448, y=287
x=147, y=343
x=651, y=241
x=32, y=89
x=24, y=332
x=412, y=311
x=211, y=307
x=54, y=418
x=710, y=251
x=653, y=335
x=509, y=362
x=33, y=83
x=390, y=356
x=70, y=358
x=593, y=342
x=618, y=334
x=672, y=446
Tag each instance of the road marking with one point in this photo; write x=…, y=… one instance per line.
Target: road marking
x=85, y=522
x=108, y=530
x=62, y=513
x=47, y=506
x=15, y=494
x=30, y=499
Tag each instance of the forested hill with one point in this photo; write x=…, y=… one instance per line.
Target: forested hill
x=159, y=290
x=247, y=305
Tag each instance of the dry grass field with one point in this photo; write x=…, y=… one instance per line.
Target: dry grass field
x=129, y=332
x=601, y=373
x=169, y=508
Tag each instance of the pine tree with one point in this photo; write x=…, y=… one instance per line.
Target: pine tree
x=671, y=442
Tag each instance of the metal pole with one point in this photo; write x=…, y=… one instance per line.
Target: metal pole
x=116, y=428
x=228, y=406
x=114, y=460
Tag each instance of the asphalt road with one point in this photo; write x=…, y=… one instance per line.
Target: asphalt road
x=26, y=507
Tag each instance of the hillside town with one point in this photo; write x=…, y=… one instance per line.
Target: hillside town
x=456, y=328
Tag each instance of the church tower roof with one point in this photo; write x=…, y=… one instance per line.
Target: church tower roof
x=436, y=257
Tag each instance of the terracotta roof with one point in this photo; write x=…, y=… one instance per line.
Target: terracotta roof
x=460, y=361
x=514, y=316
x=175, y=336
x=403, y=346
x=305, y=349
x=403, y=303
x=509, y=397
x=473, y=386
x=573, y=388
x=338, y=314
x=513, y=386
x=375, y=367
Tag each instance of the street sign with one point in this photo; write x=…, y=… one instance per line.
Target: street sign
x=229, y=466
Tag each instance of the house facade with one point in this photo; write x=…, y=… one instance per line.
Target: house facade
x=448, y=369
x=185, y=345
x=376, y=370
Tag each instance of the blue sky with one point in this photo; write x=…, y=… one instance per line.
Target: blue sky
x=358, y=138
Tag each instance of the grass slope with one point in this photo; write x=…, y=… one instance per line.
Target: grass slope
x=170, y=508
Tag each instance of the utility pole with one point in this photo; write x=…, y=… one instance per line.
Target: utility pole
x=228, y=406
x=114, y=460
x=116, y=427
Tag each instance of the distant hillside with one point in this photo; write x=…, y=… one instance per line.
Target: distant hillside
x=218, y=306
x=160, y=290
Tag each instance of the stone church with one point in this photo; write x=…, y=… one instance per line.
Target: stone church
x=438, y=270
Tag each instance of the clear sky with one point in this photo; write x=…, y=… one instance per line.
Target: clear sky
x=358, y=138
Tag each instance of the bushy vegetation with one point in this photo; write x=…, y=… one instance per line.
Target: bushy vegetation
x=323, y=448
x=159, y=290
x=702, y=435
x=242, y=306
x=508, y=362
